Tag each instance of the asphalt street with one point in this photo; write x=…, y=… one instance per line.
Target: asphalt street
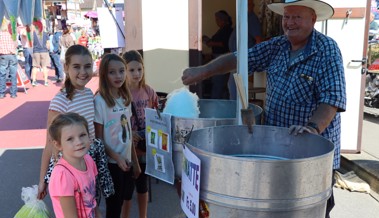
x=20, y=168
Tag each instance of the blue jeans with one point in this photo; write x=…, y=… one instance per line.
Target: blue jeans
x=8, y=63
x=55, y=59
x=28, y=61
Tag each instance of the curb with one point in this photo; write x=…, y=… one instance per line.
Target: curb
x=367, y=170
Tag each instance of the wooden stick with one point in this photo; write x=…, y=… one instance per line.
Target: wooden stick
x=241, y=89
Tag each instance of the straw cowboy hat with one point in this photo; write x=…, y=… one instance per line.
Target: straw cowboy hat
x=323, y=10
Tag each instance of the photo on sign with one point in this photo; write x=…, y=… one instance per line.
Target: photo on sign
x=153, y=138
x=164, y=142
x=159, y=163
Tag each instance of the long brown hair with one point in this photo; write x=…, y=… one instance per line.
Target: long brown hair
x=104, y=85
x=71, y=51
x=134, y=55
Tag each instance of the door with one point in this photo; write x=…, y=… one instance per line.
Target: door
x=349, y=27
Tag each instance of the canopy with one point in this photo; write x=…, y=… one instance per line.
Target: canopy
x=91, y=14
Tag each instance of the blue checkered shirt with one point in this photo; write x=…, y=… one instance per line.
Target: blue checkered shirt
x=296, y=88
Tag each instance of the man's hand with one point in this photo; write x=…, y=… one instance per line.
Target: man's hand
x=297, y=129
x=192, y=75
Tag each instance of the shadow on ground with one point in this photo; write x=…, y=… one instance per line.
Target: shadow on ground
x=32, y=113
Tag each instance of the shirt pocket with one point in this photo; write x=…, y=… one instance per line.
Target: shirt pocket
x=300, y=89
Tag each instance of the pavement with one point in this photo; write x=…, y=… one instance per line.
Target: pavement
x=22, y=138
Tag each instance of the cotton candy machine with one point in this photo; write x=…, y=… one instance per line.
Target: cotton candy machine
x=212, y=113
x=266, y=174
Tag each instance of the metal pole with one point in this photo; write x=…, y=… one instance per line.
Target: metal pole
x=242, y=50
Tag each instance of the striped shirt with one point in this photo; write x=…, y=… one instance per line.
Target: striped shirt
x=8, y=46
x=82, y=103
x=296, y=87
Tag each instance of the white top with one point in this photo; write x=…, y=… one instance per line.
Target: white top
x=82, y=104
x=117, y=130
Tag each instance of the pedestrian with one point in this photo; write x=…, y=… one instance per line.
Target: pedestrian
x=8, y=61
x=75, y=97
x=306, y=88
x=55, y=53
x=219, y=44
x=72, y=184
x=27, y=51
x=65, y=42
x=254, y=36
x=83, y=39
x=113, y=126
x=143, y=97
x=41, y=58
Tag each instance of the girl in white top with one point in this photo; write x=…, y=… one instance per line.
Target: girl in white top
x=112, y=125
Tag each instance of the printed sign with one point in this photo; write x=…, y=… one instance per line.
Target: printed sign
x=190, y=184
x=158, y=146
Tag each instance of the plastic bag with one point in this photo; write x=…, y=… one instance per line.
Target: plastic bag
x=33, y=208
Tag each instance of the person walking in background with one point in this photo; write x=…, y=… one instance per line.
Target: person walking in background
x=55, y=53
x=65, y=42
x=143, y=97
x=41, y=58
x=254, y=36
x=8, y=61
x=306, y=88
x=112, y=125
x=27, y=51
x=73, y=181
x=219, y=44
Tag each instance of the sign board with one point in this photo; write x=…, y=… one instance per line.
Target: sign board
x=159, y=146
x=111, y=35
x=22, y=78
x=190, y=184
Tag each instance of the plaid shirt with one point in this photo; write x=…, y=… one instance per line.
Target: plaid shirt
x=296, y=88
x=8, y=46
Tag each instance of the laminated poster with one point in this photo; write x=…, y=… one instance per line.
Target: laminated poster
x=159, y=161
x=190, y=184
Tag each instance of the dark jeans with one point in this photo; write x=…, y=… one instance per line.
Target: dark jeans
x=330, y=203
x=8, y=63
x=28, y=61
x=55, y=59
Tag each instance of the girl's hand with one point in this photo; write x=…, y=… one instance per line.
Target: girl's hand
x=136, y=170
x=42, y=190
x=121, y=162
x=136, y=137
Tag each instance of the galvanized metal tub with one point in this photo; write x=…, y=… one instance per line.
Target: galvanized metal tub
x=212, y=113
x=266, y=174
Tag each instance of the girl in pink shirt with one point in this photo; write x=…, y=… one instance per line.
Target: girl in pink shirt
x=72, y=184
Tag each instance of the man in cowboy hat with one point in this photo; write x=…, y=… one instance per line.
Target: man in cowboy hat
x=305, y=74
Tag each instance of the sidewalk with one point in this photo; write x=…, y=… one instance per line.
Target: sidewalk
x=366, y=164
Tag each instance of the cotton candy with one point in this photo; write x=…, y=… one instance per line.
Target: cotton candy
x=182, y=103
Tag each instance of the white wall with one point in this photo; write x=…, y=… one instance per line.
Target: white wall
x=165, y=42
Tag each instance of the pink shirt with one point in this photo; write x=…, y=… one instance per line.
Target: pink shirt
x=144, y=97
x=64, y=183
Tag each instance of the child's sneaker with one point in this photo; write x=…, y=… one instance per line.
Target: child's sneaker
x=46, y=84
x=34, y=83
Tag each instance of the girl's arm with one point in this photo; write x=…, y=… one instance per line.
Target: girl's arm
x=136, y=167
x=46, y=155
x=68, y=205
x=99, y=129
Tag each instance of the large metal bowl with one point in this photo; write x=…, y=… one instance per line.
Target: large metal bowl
x=266, y=174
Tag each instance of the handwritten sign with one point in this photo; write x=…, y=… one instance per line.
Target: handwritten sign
x=190, y=184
